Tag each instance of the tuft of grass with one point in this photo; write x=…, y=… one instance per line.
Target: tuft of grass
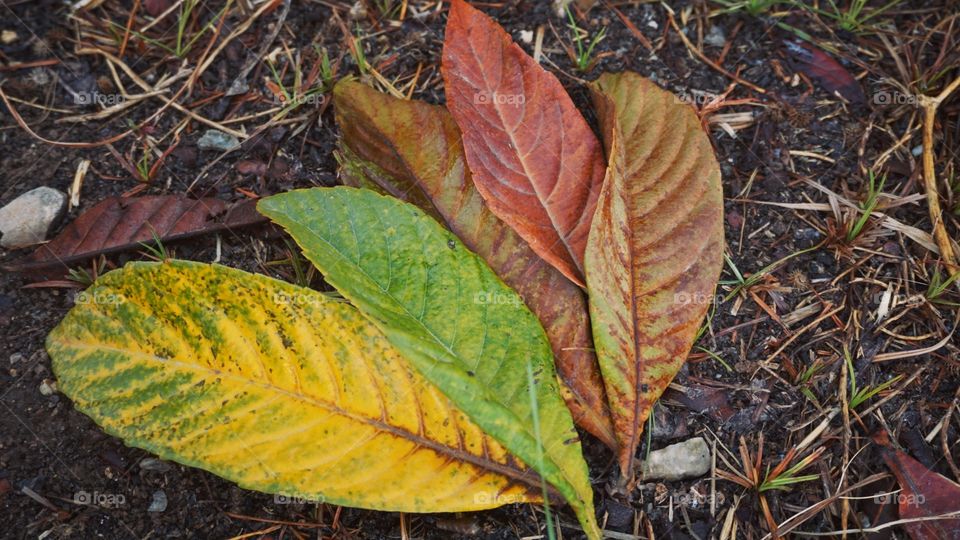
x=356, y=51
x=751, y=7
x=326, y=71
x=859, y=396
x=782, y=477
x=81, y=276
x=87, y=278
x=583, y=56
x=807, y=375
x=302, y=272
x=938, y=286
x=856, y=18
x=388, y=9
x=183, y=42
x=867, y=207
x=144, y=166
x=156, y=251
x=741, y=283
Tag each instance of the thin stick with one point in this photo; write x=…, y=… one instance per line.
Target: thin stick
x=930, y=105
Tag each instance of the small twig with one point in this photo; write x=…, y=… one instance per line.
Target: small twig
x=930, y=105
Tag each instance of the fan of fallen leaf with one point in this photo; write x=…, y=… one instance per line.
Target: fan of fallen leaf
x=508, y=275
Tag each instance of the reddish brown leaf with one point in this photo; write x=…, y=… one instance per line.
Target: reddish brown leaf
x=711, y=401
x=156, y=7
x=119, y=224
x=533, y=157
x=412, y=150
x=923, y=494
x=655, y=249
x=824, y=69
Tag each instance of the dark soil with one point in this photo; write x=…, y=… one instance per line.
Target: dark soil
x=49, y=449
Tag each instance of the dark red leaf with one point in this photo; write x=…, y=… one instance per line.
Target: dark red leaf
x=156, y=7
x=119, y=224
x=824, y=69
x=923, y=494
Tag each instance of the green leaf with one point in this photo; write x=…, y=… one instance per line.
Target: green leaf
x=276, y=387
x=460, y=326
x=412, y=150
x=655, y=247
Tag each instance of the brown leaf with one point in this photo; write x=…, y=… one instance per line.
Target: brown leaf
x=533, y=157
x=156, y=7
x=119, y=224
x=655, y=249
x=824, y=69
x=412, y=150
x=923, y=494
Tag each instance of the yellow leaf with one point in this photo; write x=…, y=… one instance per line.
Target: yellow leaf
x=276, y=387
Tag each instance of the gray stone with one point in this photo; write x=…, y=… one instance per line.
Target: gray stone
x=688, y=459
x=217, y=140
x=715, y=37
x=159, y=501
x=26, y=220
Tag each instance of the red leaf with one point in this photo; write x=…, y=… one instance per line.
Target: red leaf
x=119, y=224
x=533, y=157
x=825, y=70
x=923, y=494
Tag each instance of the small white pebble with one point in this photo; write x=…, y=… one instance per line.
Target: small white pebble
x=48, y=387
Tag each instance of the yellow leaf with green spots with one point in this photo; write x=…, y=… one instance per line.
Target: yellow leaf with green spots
x=275, y=387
